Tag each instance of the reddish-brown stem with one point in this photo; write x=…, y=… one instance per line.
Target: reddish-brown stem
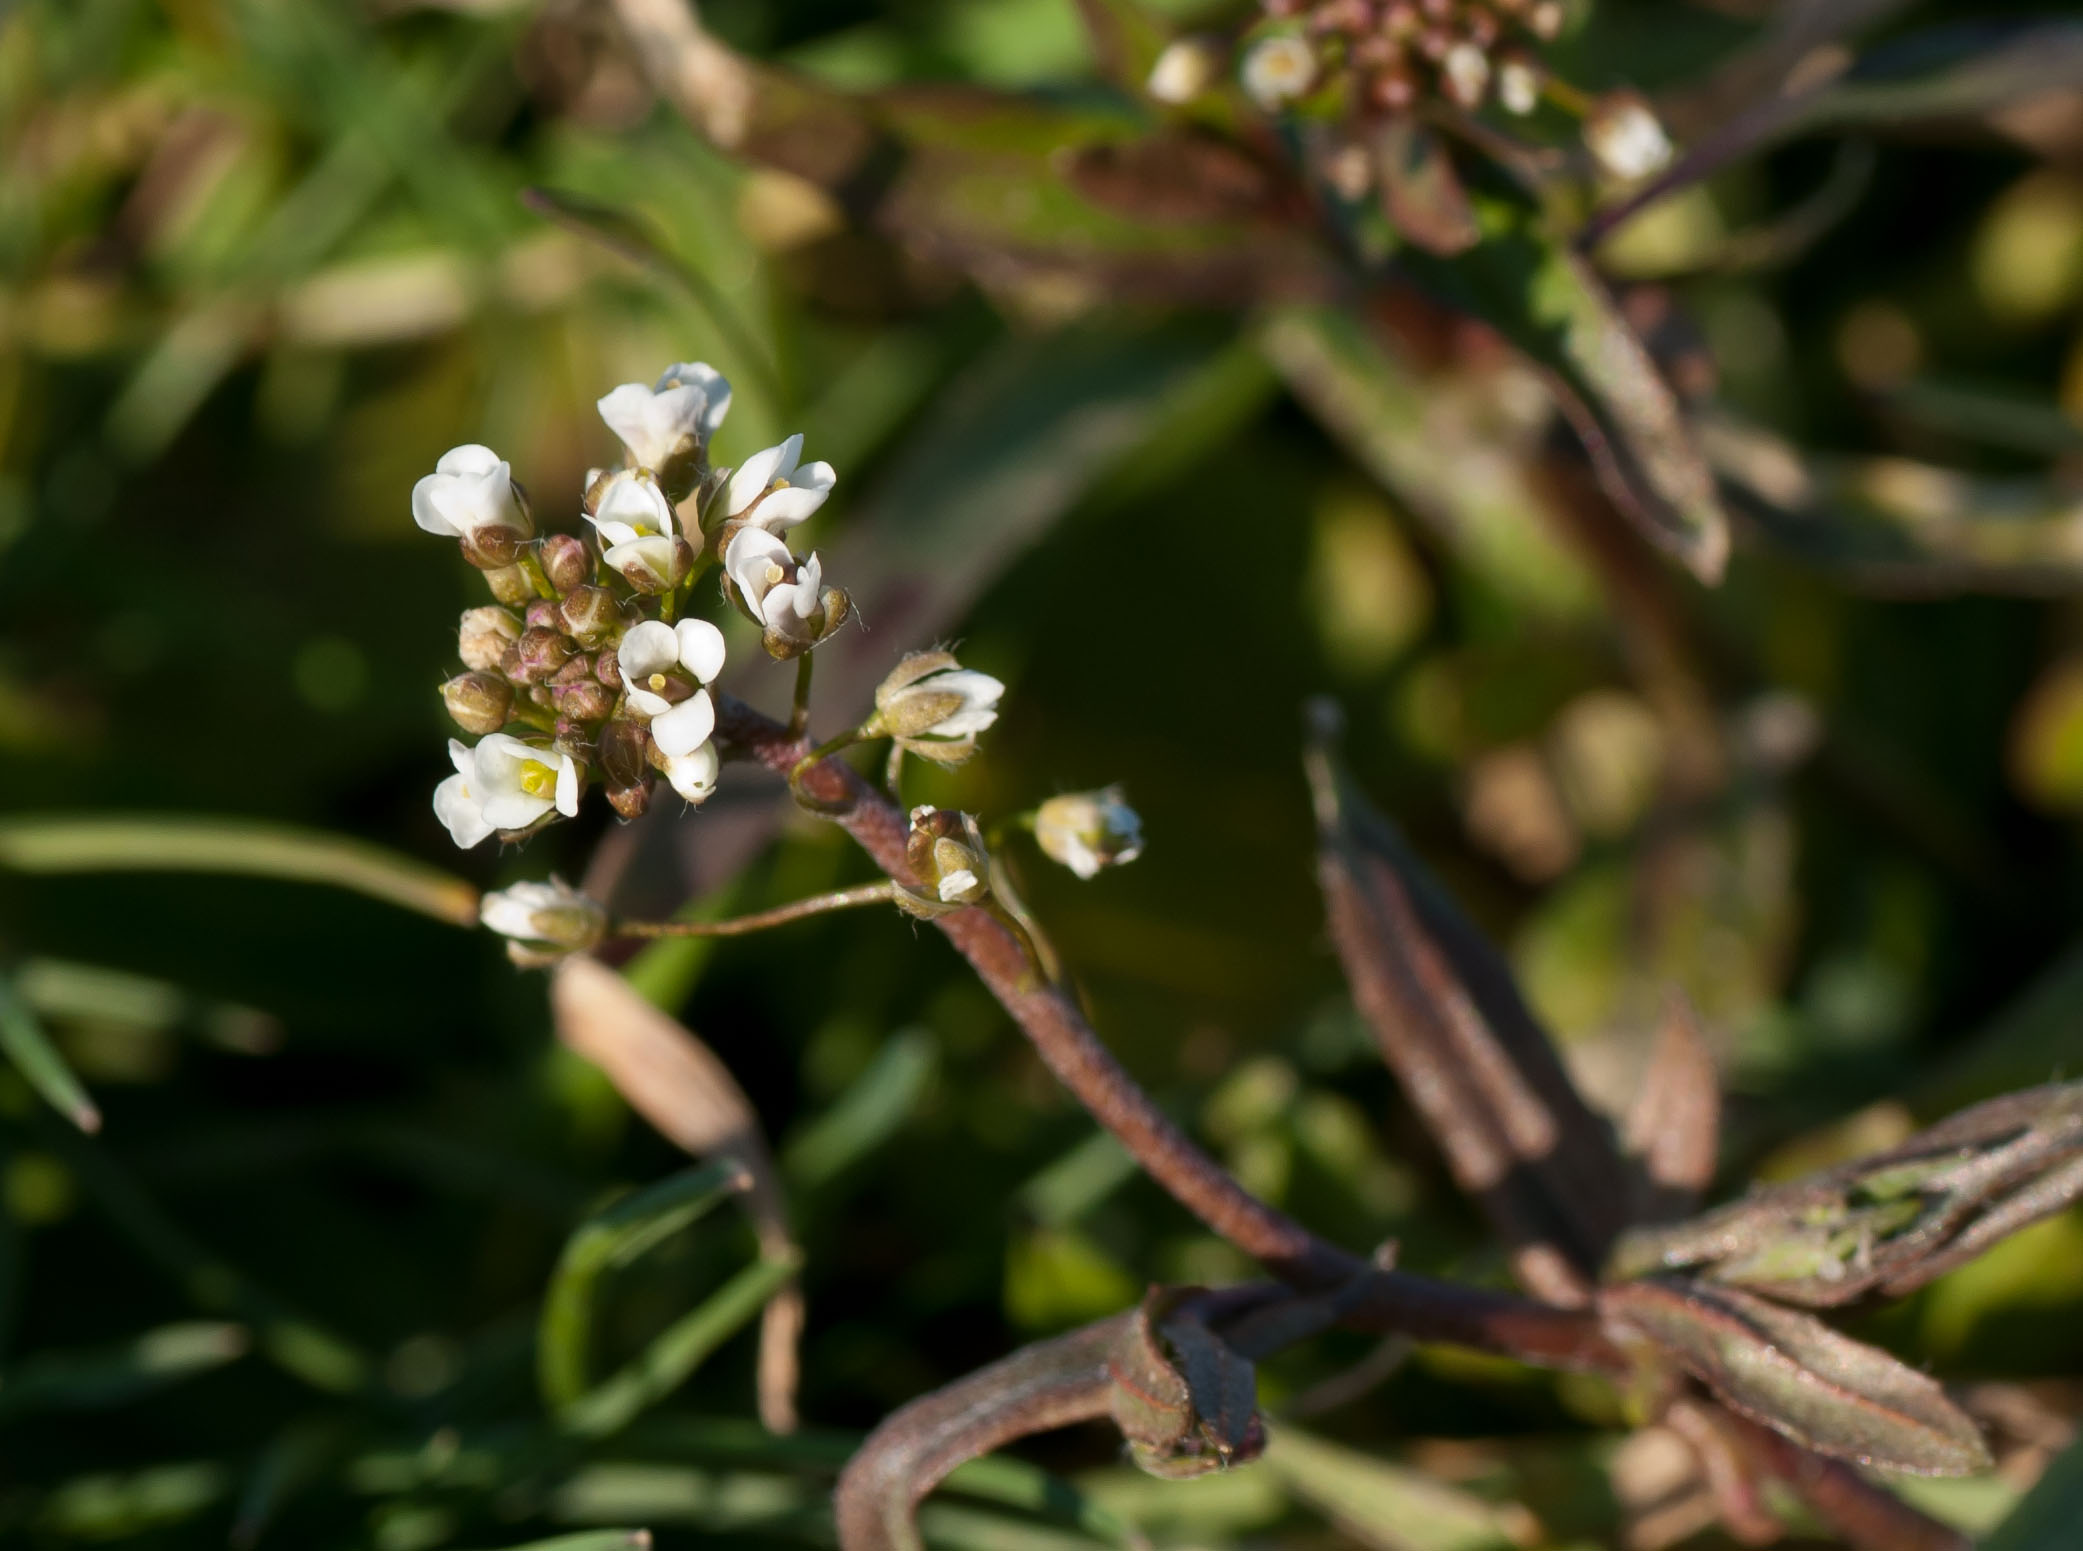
x=1388, y=1301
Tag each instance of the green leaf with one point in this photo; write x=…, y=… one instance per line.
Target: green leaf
x=866, y=1115
x=681, y=1348
x=614, y=1238
x=2047, y=1519
x=76, y=1381
x=37, y=1059
x=1390, y=1506
x=63, y=843
x=1545, y=299
x=591, y=1540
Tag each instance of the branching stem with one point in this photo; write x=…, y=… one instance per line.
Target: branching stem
x=760, y=920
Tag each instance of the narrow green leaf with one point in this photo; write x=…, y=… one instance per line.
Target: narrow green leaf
x=679, y=1349
x=31, y=1050
x=74, y=1381
x=1383, y=1504
x=866, y=1115
x=591, y=1540
x=614, y=1238
x=67, y=843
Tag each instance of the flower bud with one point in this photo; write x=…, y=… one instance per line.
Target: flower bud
x=565, y=561
x=608, y=670
x=625, y=753
x=479, y=702
x=935, y=708
x=582, y=702
x=589, y=613
x=1519, y=85
x=1088, y=831
x=946, y=853
x=537, y=656
x=630, y=802
x=1465, y=73
x=510, y=585
x=1625, y=138
x=543, y=922
x=484, y=635
x=541, y=614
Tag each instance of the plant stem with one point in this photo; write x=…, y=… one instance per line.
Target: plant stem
x=760, y=920
x=799, y=718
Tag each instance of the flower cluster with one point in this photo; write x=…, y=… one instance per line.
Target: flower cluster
x=1383, y=59
x=588, y=670
x=592, y=669
x=1397, y=52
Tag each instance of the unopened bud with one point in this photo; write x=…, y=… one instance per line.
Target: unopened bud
x=1088, y=831
x=1187, y=68
x=565, y=562
x=484, y=635
x=631, y=802
x=935, y=708
x=608, y=669
x=625, y=753
x=543, y=922
x=945, y=851
x=537, y=656
x=589, y=613
x=541, y=614
x=479, y=702
x=583, y=702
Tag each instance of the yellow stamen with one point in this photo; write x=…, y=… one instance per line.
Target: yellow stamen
x=775, y=574
x=658, y=681
x=538, y=779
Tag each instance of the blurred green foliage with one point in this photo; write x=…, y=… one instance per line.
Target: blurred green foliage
x=261, y=261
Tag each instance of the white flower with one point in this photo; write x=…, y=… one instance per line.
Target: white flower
x=657, y=423
x=774, y=490
x=657, y=658
x=503, y=783
x=1088, y=831
x=1518, y=86
x=785, y=596
x=933, y=706
x=693, y=775
x=471, y=496
x=1278, y=70
x=1466, y=71
x=545, y=921
x=1187, y=67
x=635, y=523
x=1623, y=134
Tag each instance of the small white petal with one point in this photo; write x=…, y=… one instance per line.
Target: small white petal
x=567, y=786
x=651, y=647
x=701, y=648
x=648, y=705
x=956, y=884
x=747, y=559
x=761, y=470
x=693, y=775
x=714, y=385
x=460, y=812
x=783, y=509
x=627, y=411
x=686, y=727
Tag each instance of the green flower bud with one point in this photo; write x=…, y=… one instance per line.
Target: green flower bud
x=946, y=853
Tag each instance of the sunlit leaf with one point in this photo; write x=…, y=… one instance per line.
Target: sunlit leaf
x=38, y=1060
x=71, y=1381
x=1392, y=1507
x=67, y=843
